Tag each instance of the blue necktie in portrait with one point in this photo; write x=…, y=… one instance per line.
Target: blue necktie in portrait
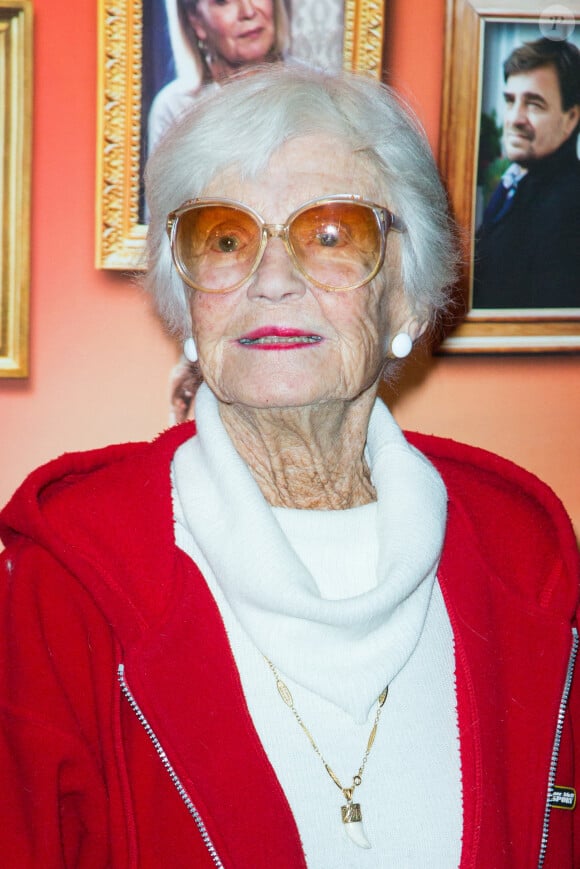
x=503, y=196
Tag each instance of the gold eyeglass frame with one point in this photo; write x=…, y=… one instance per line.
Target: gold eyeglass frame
x=385, y=221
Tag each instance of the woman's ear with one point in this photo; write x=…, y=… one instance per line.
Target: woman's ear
x=197, y=26
x=405, y=336
x=413, y=326
x=416, y=328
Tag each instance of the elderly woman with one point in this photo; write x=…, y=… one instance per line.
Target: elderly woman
x=286, y=635
x=212, y=40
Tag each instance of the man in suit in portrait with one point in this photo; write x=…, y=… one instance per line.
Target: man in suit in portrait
x=527, y=249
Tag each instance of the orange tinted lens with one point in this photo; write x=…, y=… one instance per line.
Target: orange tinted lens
x=216, y=246
x=338, y=244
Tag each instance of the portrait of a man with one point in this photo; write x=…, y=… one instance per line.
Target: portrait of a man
x=527, y=243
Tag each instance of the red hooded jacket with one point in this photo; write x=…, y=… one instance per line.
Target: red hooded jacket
x=125, y=738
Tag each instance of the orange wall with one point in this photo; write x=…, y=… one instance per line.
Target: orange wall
x=99, y=360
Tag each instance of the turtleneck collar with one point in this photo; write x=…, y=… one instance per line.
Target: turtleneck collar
x=344, y=650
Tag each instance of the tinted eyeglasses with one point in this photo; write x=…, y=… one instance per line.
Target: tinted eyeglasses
x=337, y=243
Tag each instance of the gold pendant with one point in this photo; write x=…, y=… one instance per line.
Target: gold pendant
x=353, y=825
x=351, y=813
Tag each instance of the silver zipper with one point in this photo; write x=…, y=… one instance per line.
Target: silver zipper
x=169, y=768
x=556, y=748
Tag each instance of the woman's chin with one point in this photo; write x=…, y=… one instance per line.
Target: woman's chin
x=254, y=383
x=274, y=393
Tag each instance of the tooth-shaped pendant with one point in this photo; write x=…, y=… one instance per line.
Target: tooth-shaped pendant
x=353, y=825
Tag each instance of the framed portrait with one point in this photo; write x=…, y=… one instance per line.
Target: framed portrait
x=510, y=160
x=15, y=156
x=153, y=58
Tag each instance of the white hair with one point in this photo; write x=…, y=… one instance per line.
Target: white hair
x=242, y=124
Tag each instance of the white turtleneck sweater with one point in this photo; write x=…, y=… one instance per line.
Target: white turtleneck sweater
x=343, y=603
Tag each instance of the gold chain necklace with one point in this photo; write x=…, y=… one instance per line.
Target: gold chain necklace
x=351, y=812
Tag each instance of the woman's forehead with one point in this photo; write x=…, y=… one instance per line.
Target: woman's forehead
x=303, y=168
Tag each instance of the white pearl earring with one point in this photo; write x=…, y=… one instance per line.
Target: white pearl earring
x=190, y=350
x=401, y=345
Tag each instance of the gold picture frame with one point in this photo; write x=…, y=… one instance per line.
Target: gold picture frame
x=484, y=330
x=120, y=235
x=15, y=152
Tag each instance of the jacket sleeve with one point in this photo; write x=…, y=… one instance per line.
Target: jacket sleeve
x=54, y=794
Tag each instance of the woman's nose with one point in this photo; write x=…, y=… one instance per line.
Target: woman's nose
x=246, y=8
x=276, y=278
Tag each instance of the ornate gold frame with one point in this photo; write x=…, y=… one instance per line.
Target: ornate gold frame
x=15, y=152
x=119, y=235
x=484, y=331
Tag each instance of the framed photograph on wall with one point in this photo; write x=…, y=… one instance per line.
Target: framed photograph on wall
x=15, y=158
x=511, y=162
x=154, y=57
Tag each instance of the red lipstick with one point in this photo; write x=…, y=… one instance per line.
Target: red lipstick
x=279, y=338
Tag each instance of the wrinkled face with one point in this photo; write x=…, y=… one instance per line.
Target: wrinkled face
x=535, y=125
x=235, y=31
x=279, y=341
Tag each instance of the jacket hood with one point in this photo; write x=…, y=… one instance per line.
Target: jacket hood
x=107, y=517
x=506, y=517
